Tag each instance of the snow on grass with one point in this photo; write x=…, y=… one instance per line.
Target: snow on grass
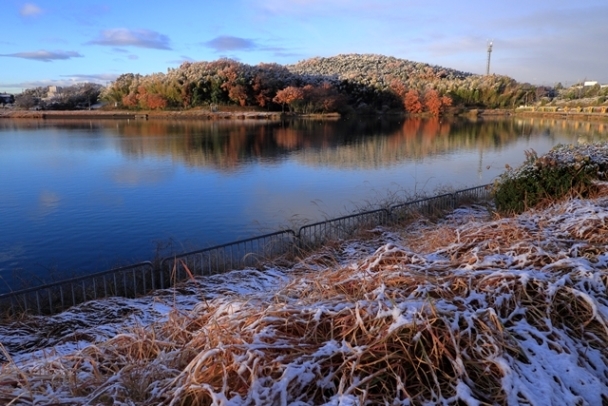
x=469, y=310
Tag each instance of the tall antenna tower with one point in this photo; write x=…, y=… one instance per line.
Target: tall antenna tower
x=489, y=56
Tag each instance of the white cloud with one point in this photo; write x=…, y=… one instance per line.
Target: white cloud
x=135, y=38
x=44, y=56
x=183, y=59
x=68, y=80
x=97, y=78
x=228, y=43
x=30, y=10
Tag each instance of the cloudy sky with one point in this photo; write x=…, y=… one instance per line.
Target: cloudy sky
x=64, y=41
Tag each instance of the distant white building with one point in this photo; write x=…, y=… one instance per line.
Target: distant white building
x=54, y=91
x=590, y=83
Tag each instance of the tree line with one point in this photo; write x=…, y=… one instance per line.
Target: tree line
x=78, y=96
x=350, y=83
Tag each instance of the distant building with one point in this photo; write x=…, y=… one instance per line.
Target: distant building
x=6, y=98
x=54, y=91
x=590, y=83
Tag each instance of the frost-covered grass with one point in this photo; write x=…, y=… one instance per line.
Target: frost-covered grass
x=565, y=170
x=471, y=310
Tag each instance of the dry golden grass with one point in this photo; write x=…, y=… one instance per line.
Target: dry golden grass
x=455, y=313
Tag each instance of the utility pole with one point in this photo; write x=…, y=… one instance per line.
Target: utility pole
x=489, y=55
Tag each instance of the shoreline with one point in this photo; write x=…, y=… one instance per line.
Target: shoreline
x=196, y=114
x=149, y=115
x=564, y=115
x=216, y=115
x=136, y=115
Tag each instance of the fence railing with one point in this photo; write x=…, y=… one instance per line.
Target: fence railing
x=142, y=278
x=240, y=254
x=129, y=281
x=314, y=235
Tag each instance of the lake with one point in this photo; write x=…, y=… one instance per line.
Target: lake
x=82, y=196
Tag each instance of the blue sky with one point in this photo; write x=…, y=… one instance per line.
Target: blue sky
x=63, y=41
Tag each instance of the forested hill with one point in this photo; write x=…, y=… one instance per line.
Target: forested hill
x=374, y=68
x=385, y=73
x=344, y=83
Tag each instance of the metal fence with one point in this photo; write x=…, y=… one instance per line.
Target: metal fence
x=142, y=278
x=129, y=281
x=222, y=258
x=314, y=235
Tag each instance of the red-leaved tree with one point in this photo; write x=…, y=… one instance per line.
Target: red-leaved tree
x=130, y=100
x=238, y=94
x=233, y=83
x=288, y=96
x=153, y=101
x=267, y=82
x=398, y=88
x=434, y=103
x=412, y=102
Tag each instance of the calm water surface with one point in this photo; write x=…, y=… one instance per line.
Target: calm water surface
x=85, y=196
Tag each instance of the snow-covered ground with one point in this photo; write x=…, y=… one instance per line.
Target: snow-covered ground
x=471, y=310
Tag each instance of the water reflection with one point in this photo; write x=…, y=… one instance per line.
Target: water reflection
x=226, y=145
x=348, y=143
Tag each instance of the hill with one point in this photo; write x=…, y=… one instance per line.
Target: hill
x=344, y=83
x=375, y=69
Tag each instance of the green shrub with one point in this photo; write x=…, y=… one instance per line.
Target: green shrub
x=564, y=170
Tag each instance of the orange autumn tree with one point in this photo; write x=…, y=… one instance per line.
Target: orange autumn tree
x=412, y=102
x=153, y=101
x=435, y=104
x=260, y=90
x=266, y=82
x=238, y=93
x=129, y=100
x=233, y=83
x=150, y=100
x=288, y=96
x=398, y=88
